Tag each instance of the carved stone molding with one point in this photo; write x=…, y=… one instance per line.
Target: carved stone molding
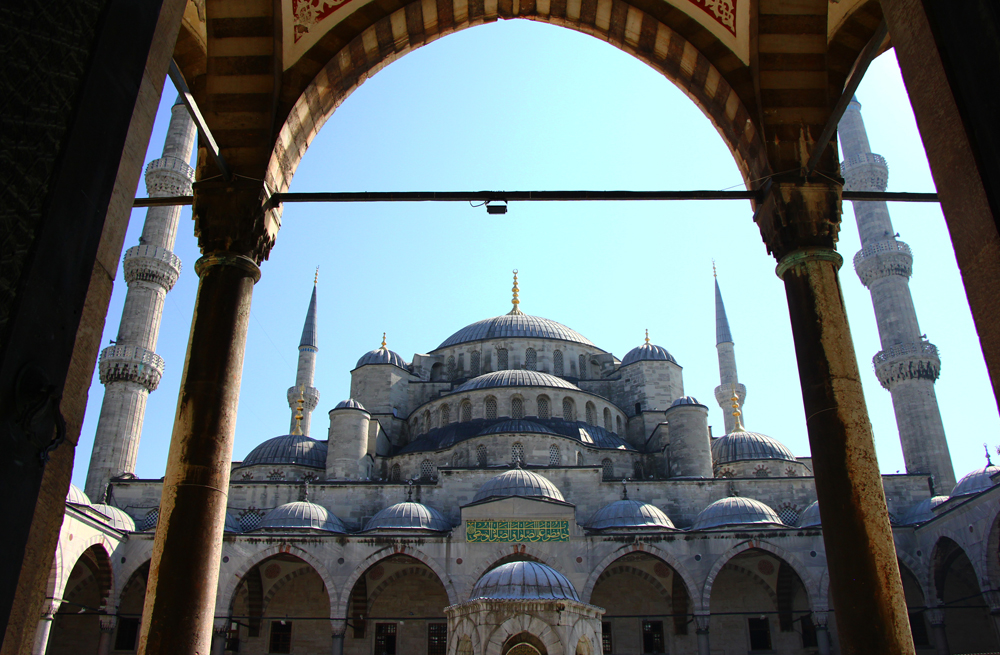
x=882, y=259
x=168, y=176
x=130, y=364
x=151, y=264
x=907, y=361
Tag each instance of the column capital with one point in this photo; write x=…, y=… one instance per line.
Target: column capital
x=796, y=215
x=701, y=623
x=935, y=615
x=230, y=217
x=108, y=623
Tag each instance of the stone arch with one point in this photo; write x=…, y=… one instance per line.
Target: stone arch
x=230, y=583
x=583, y=633
x=648, y=549
x=408, y=571
x=905, y=561
x=340, y=608
x=958, y=590
x=757, y=580
x=467, y=629
x=989, y=558
x=809, y=582
x=276, y=587
x=102, y=548
x=515, y=625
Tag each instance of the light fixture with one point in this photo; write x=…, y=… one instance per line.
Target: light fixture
x=496, y=208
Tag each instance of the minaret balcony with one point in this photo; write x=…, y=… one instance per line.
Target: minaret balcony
x=882, y=259
x=310, y=397
x=865, y=172
x=130, y=364
x=151, y=264
x=907, y=361
x=168, y=176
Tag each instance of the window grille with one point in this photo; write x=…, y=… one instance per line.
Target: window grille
x=426, y=470
x=281, y=637
x=543, y=407
x=501, y=359
x=250, y=520
x=531, y=359
x=395, y=475
x=788, y=515
x=790, y=472
x=607, y=469
x=128, y=631
x=149, y=520
x=466, y=412
x=761, y=472
x=591, y=414
x=445, y=415
x=618, y=424
x=652, y=637
x=474, y=363
x=557, y=363
x=385, y=639
x=637, y=470
x=583, y=367
x=727, y=473
x=481, y=456
x=451, y=367
x=491, y=408
x=607, y=647
x=760, y=633
x=461, y=363
x=276, y=475
x=437, y=639
x=247, y=475
x=516, y=407
x=568, y=413
x=607, y=419
x=554, y=458
x=517, y=453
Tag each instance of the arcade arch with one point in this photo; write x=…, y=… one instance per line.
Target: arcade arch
x=76, y=626
x=967, y=622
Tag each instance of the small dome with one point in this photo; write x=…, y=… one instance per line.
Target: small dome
x=381, y=356
x=517, y=425
x=515, y=378
x=350, y=403
x=514, y=325
x=296, y=449
x=923, y=511
x=630, y=514
x=409, y=516
x=740, y=445
x=736, y=511
x=978, y=480
x=810, y=516
x=524, y=581
x=518, y=482
x=647, y=352
x=118, y=519
x=301, y=515
x=232, y=525
x=76, y=496
x=685, y=400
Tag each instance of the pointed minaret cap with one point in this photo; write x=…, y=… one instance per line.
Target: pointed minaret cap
x=722, y=333
x=310, y=329
x=514, y=301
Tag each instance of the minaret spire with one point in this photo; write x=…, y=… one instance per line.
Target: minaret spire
x=304, y=397
x=514, y=301
x=908, y=364
x=729, y=393
x=130, y=368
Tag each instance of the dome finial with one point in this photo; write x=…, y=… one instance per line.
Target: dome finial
x=298, y=412
x=514, y=301
x=987, y=449
x=647, y=335
x=714, y=274
x=382, y=347
x=304, y=494
x=736, y=412
x=409, y=491
x=316, y=278
x=624, y=490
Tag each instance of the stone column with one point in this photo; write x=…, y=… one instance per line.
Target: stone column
x=107, y=629
x=822, y=632
x=339, y=630
x=220, y=630
x=44, y=628
x=701, y=621
x=799, y=222
x=935, y=616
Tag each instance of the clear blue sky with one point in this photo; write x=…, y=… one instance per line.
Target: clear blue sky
x=517, y=105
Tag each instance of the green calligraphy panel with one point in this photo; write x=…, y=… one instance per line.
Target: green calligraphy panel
x=524, y=531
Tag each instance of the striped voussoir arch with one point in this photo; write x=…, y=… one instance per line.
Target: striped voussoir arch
x=420, y=22
x=419, y=571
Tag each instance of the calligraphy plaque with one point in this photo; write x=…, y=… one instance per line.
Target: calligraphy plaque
x=489, y=531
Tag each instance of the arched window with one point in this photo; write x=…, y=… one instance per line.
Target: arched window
x=557, y=363
x=426, y=470
x=579, y=458
x=466, y=411
x=530, y=359
x=788, y=515
x=543, y=407
x=481, y=456
x=445, y=415
x=461, y=363
x=637, y=470
x=583, y=367
x=618, y=424
x=394, y=475
x=761, y=472
x=569, y=412
x=554, y=458
x=491, y=408
x=607, y=419
x=591, y=414
x=607, y=469
x=516, y=407
x=517, y=453
x=474, y=363
x=427, y=420
x=501, y=359
x=451, y=367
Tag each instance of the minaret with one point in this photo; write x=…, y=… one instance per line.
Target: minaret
x=303, y=388
x=729, y=383
x=908, y=364
x=130, y=368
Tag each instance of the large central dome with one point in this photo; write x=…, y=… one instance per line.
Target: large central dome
x=515, y=325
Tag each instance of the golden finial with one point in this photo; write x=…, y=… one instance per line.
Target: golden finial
x=736, y=412
x=714, y=274
x=316, y=278
x=515, y=301
x=647, y=335
x=298, y=412
x=383, y=341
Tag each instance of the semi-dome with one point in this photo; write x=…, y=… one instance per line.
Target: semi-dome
x=76, y=496
x=118, y=519
x=296, y=449
x=923, y=511
x=736, y=511
x=524, y=581
x=515, y=378
x=630, y=514
x=382, y=356
x=301, y=515
x=685, y=400
x=409, y=516
x=978, y=480
x=740, y=445
x=647, y=352
x=514, y=325
x=517, y=425
x=810, y=516
x=350, y=403
x=518, y=482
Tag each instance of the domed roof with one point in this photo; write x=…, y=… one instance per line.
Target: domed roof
x=736, y=511
x=118, y=519
x=232, y=525
x=685, y=400
x=810, y=516
x=381, y=356
x=295, y=449
x=647, y=352
x=630, y=514
x=301, y=515
x=740, y=445
x=350, y=403
x=923, y=511
x=76, y=496
x=524, y=581
x=978, y=480
x=408, y=516
x=517, y=425
x=517, y=378
x=514, y=325
x=518, y=482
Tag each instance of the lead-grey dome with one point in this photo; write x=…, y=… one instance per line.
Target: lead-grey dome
x=810, y=516
x=296, y=449
x=685, y=400
x=647, y=352
x=516, y=378
x=923, y=511
x=350, y=403
x=740, y=445
x=518, y=482
x=736, y=511
x=76, y=496
x=517, y=425
x=630, y=514
x=301, y=515
x=514, y=325
x=381, y=356
x=978, y=480
x=524, y=581
x=232, y=525
x=118, y=519
x=408, y=516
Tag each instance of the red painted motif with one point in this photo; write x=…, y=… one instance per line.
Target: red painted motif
x=722, y=11
x=661, y=570
x=377, y=572
x=308, y=13
x=272, y=571
x=765, y=567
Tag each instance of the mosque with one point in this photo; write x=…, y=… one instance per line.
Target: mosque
x=519, y=490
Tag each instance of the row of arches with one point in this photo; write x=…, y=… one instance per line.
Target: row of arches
x=515, y=408
x=562, y=365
